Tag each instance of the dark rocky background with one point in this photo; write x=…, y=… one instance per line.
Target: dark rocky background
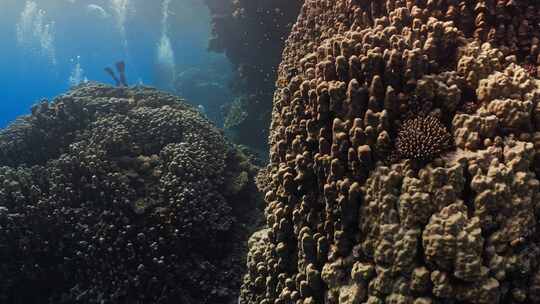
x=252, y=34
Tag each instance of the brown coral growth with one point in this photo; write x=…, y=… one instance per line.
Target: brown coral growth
x=344, y=228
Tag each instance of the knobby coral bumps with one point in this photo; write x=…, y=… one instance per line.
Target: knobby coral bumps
x=345, y=227
x=116, y=195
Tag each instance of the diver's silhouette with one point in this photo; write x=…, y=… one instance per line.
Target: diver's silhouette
x=121, y=68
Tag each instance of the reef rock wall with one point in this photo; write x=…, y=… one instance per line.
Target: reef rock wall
x=116, y=195
x=252, y=34
x=405, y=146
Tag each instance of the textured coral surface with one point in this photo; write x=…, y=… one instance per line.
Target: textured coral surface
x=113, y=195
x=405, y=148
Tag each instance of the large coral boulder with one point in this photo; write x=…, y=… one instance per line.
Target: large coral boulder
x=116, y=195
x=405, y=157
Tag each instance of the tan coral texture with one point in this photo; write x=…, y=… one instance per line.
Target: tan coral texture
x=405, y=146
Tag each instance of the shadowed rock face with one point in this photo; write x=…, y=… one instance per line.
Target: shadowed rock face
x=116, y=195
x=350, y=218
x=252, y=35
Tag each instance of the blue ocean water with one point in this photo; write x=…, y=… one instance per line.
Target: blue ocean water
x=49, y=45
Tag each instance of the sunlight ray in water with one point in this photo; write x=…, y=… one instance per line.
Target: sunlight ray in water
x=120, y=9
x=165, y=52
x=35, y=33
x=77, y=74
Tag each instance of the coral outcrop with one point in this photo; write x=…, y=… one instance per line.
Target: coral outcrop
x=447, y=87
x=117, y=195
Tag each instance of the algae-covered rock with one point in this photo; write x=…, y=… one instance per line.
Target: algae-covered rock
x=116, y=195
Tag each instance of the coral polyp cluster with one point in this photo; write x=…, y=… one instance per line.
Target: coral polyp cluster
x=438, y=81
x=422, y=138
x=532, y=69
x=117, y=195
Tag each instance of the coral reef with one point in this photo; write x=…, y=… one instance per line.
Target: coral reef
x=252, y=33
x=117, y=195
x=362, y=81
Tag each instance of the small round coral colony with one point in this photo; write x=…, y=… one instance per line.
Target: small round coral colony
x=441, y=83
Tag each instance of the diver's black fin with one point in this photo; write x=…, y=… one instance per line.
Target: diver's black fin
x=121, y=68
x=113, y=76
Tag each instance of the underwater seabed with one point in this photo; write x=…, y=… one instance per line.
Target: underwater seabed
x=404, y=167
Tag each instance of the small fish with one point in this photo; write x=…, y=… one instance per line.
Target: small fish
x=100, y=11
x=201, y=109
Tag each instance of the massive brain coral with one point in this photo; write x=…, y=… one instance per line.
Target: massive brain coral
x=362, y=81
x=114, y=195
